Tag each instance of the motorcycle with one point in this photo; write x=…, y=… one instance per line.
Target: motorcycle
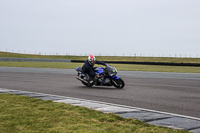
x=106, y=77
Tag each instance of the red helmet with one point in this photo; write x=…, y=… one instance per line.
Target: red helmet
x=91, y=60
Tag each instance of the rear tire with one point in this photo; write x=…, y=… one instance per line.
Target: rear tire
x=84, y=83
x=87, y=79
x=119, y=83
x=87, y=84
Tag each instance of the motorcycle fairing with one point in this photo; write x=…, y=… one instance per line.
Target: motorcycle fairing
x=115, y=77
x=99, y=70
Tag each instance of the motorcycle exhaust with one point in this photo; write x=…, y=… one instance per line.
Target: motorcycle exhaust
x=81, y=79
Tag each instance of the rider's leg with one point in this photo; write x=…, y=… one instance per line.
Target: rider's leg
x=96, y=77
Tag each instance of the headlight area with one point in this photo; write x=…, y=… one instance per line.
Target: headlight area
x=112, y=74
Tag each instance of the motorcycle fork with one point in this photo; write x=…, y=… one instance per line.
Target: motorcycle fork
x=114, y=82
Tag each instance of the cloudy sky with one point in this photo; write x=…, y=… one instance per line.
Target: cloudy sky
x=106, y=27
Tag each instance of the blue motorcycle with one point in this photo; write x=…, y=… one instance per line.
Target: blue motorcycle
x=106, y=77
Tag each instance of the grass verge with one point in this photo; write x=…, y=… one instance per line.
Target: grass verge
x=25, y=114
x=123, y=67
x=105, y=58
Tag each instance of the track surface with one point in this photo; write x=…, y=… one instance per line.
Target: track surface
x=177, y=93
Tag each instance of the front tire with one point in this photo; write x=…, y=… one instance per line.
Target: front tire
x=119, y=83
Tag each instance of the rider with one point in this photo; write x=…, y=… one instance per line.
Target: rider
x=88, y=68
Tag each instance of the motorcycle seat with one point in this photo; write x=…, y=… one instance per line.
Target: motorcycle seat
x=80, y=69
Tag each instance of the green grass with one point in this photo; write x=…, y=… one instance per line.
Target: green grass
x=124, y=67
x=106, y=58
x=25, y=114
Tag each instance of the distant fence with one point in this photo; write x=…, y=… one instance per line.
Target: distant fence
x=34, y=60
x=147, y=63
x=102, y=54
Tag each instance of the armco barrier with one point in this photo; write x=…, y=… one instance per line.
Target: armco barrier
x=34, y=60
x=147, y=63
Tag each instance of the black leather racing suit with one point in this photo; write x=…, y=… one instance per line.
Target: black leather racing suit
x=87, y=68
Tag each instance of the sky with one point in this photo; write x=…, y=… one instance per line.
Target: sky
x=101, y=27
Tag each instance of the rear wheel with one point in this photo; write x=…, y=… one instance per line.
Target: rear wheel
x=87, y=78
x=84, y=83
x=119, y=83
x=87, y=84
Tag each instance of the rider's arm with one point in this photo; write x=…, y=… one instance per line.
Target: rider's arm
x=101, y=63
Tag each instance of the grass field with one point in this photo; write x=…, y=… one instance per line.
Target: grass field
x=124, y=67
x=106, y=58
x=25, y=114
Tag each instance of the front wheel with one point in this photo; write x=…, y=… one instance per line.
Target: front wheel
x=119, y=83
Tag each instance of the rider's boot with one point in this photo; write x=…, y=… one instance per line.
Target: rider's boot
x=95, y=79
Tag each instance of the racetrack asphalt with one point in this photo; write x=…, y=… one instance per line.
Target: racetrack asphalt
x=177, y=93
